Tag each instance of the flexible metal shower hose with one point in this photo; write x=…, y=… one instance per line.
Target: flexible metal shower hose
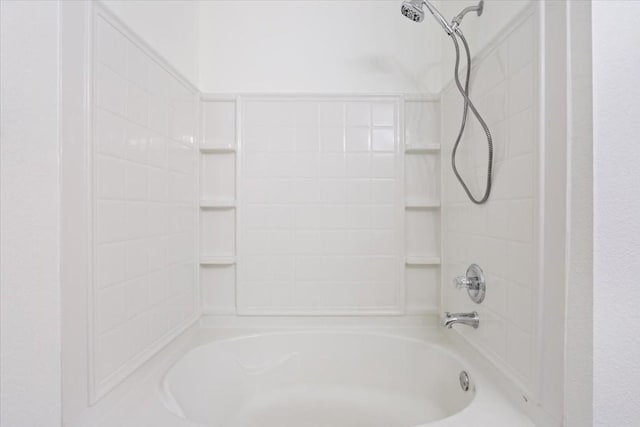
x=469, y=105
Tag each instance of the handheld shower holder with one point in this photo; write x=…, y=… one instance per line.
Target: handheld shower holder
x=457, y=20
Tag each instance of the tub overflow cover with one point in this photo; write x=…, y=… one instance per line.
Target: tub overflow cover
x=464, y=380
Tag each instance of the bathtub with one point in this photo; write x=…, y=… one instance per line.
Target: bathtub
x=328, y=379
x=323, y=373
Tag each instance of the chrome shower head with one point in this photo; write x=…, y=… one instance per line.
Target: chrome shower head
x=412, y=9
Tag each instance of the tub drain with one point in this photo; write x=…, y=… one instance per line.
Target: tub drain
x=464, y=381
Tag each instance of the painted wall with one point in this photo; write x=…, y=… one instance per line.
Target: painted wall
x=168, y=26
x=616, y=207
x=273, y=46
x=29, y=272
x=315, y=46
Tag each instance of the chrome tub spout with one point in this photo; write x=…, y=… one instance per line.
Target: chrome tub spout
x=470, y=319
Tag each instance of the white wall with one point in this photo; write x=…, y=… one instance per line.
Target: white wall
x=74, y=205
x=616, y=208
x=322, y=177
x=321, y=186
x=501, y=236
x=144, y=213
x=315, y=46
x=168, y=26
x=30, y=298
x=479, y=31
x=578, y=388
x=232, y=46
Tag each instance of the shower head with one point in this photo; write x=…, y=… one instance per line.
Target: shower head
x=412, y=9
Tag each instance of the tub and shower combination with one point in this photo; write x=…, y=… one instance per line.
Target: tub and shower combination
x=347, y=379
x=358, y=376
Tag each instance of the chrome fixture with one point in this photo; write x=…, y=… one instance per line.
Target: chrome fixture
x=473, y=282
x=465, y=382
x=469, y=319
x=455, y=23
x=412, y=9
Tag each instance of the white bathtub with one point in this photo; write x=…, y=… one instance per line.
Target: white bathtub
x=328, y=373
x=329, y=379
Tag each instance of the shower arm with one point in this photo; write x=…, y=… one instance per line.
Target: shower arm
x=450, y=28
x=455, y=22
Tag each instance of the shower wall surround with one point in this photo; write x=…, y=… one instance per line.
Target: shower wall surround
x=320, y=226
x=503, y=235
x=144, y=287
x=302, y=205
x=321, y=221
x=306, y=205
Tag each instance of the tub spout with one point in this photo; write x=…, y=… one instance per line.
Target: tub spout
x=469, y=319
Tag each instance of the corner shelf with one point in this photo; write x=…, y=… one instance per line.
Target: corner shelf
x=217, y=148
x=217, y=204
x=422, y=204
x=422, y=260
x=218, y=260
x=420, y=149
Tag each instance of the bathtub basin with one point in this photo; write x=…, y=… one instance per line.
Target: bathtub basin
x=316, y=379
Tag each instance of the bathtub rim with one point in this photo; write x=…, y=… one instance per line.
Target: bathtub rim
x=137, y=397
x=174, y=407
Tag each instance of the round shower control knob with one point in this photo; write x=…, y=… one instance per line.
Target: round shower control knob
x=473, y=282
x=462, y=282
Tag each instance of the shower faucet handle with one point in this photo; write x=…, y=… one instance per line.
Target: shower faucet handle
x=463, y=282
x=473, y=282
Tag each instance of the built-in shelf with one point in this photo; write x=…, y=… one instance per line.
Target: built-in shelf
x=217, y=204
x=217, y=148
x=422, y=204
x=417, y=149
x=217, y=260
x=422, y=260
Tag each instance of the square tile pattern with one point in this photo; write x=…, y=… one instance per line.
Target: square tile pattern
x=320, y=213
x=144, y=174
x=501, y=236
x=320, y=192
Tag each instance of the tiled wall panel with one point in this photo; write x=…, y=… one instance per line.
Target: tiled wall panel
x=502, y=235
x=320, y=207
x=144, y=173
